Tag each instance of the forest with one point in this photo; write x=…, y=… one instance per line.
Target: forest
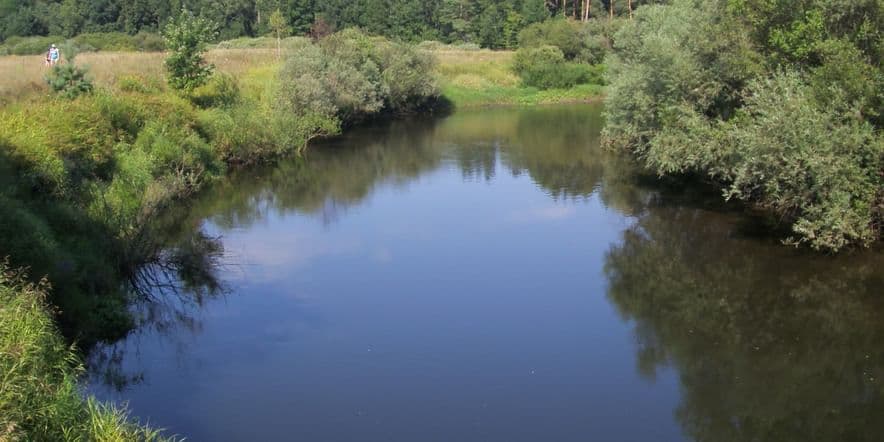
x=489, y=23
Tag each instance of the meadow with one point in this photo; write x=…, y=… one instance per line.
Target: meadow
x=467, y=77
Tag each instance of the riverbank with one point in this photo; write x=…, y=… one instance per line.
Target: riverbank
x=40, y=398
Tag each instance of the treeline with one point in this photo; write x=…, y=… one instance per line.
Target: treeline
x=489, y=23
x=777, y=101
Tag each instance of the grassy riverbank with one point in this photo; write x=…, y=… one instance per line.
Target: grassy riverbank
x=39, y=396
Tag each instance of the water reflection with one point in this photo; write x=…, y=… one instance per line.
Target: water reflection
x=532, y=240
x=769, y=343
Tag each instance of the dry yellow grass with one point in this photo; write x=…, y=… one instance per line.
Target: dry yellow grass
x=23, y=75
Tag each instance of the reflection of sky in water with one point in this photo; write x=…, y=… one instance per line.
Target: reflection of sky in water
x=444, y=308
x=469, y=301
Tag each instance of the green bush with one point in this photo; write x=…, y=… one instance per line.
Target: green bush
x=89, y=42
x=69, y=80
x=134, y=83
x=106, y=41
x=560, y=33
x=692, y=93
x=817, y=165
x=350, y=76
x=37, y=45
x=587, y=42
x=545, y=67
x=149, y=42
x=178, y=150
x=221, y=91
x=408, y=84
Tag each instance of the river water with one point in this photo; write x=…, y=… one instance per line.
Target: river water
x=494, y=275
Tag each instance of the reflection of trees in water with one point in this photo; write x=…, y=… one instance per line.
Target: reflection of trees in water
x=770, y=344
x=557, y=147
x=170, y=289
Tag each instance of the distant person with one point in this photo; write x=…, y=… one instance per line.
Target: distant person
x=49, y=56
x=53, y=55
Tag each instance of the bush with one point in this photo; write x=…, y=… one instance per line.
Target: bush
x=30, y=45
x=406, y=76
x=690, y=94
x=560, y=33
x=350, y=76
x=221, y=91
x=134, y=83
x=69, y=80
x=149, y=42
x=545, y=67
x=89, y=42
x=817, y=166
x=187, y=37
x=106, y=41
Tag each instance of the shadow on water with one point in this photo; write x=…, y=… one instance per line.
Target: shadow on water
x=769, y=343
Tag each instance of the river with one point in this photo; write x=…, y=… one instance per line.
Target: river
x=494, y=275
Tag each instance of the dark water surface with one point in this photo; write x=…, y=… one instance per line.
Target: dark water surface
x=495, y=276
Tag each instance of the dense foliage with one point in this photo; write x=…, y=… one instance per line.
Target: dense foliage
x=545, y=67
x=349, y=76
x=69, y=80
x=563, y=53
x=40, y=399
x=778, y=102
x=490, y=23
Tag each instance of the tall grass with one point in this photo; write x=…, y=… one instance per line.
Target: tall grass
x=23, y=75
x=467, y=77
x=39, y=397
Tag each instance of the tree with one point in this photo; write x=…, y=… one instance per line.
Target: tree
x=69, y=80
x=279, y=27
x=534, y=11
x=187, y=37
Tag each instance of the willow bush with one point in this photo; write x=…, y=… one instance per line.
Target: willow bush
x=702, y=88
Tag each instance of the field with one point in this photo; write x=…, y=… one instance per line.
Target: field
x=467, y=77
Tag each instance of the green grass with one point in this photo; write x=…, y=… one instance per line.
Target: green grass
x=39, y=396
x=485, y=78
x=492, y=95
